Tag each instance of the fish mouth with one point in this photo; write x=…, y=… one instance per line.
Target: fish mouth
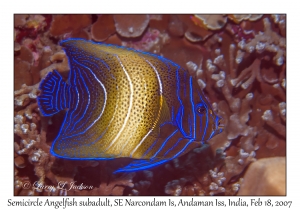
x=219, y=125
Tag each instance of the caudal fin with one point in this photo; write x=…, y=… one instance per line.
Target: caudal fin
x=54, y=95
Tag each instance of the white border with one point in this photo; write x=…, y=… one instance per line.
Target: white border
x=8, y=8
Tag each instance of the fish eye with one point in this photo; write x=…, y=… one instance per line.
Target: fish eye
x=200, y=108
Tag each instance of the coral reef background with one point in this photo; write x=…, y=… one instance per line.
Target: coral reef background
x=238, y=60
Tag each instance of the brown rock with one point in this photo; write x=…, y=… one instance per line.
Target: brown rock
x=176, y=26
x=160, y=23
x=266, y=176
x=194, y=33
x=25, y=54
x=20, y=20
x=82, y=33
x=103, y=28
x=213, y=22
x=20, y=162
x=22, y=73
x=131, y=25
x=62, y=24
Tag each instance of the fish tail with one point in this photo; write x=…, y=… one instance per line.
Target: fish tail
x=53, y=97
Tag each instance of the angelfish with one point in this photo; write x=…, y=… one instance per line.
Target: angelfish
x=122, y=102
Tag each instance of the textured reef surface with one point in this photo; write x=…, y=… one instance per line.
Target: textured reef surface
x=239, y=62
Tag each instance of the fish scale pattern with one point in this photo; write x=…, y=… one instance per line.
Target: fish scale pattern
x=125, y=103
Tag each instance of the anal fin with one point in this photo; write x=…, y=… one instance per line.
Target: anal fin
x=53, y=97
x=138, y=165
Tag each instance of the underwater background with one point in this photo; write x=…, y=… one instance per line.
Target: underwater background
x=238, y=60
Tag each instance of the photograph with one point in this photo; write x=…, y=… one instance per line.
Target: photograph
x=150, y=105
